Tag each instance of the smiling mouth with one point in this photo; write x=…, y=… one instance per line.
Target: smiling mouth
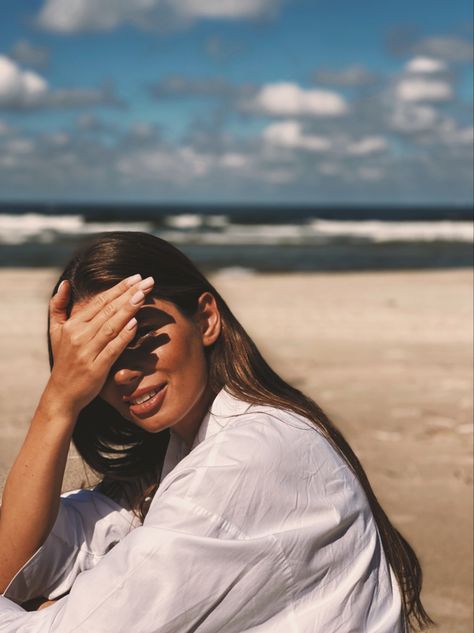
x=145, y=397
x=147, y=402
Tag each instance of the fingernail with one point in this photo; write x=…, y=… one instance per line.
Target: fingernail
x=131, y=324
x=137, y=298
x=133, y=280
x=59, y=287
x=146, y=283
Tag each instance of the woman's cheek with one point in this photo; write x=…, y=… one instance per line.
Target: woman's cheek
x=180, y=354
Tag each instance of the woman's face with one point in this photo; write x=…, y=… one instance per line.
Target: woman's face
x=161, y=379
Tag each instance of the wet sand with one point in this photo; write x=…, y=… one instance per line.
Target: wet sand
x=388, y=355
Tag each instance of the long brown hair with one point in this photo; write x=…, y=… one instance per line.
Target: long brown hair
x=130, y=459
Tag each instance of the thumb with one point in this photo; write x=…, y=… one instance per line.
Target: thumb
x=59, y=303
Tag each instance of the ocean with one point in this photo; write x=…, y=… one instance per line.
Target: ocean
x=247, y=239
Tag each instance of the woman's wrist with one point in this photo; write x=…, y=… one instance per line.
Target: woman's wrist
x=54, y=405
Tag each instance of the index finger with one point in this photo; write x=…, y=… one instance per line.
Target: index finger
x=103, y=298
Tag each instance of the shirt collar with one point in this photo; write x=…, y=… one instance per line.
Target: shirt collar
x=223, y=408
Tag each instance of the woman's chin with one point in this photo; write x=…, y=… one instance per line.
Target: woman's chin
x=151, y=426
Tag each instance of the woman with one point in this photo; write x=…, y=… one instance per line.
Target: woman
x=228, y=502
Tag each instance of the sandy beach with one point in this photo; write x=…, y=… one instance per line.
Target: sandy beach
x=388, y=355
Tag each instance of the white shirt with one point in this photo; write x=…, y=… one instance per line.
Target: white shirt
x=260, y=528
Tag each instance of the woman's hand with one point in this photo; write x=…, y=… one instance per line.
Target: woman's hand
x=86, y=345
x=35, y=604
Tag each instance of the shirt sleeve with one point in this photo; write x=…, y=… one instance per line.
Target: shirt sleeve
x=88, y=525
x=192, y=571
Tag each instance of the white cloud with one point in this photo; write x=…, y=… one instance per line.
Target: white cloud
x=371, y=174
x=319, y=142
x=70, y=16
x=450, y=133
x=22, y=89
x=226, y=9
x=367, y=145
x=180, y=86
x=143, y=131
x=465, y=136
x=351, y=76
x=290, y=134
x=17, y=86
x=329, y=169
x=289, y=99
x=29, y=54
x=277, y=176
x=90, y=123
x=425, y=65
x=449, y=48
x=232, y=160
x=58, y=163
x=59, y=139
x=20, y=146
x=411, y=117
x=78, y=97
x=223, y=49
x=177, y=165
x=413, y=89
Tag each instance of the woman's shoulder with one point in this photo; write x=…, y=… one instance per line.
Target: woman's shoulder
x=239, y=428
x=250, y=457
x=253, y=439
x=263, y=471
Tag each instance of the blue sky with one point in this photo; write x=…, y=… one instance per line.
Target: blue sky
x=239, y=101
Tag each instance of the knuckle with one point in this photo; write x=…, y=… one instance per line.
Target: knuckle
x=125, y=336
x=110, y=352
x=81, y=357
x=100, y=301
x=109, y=330
x=67, y=327
x=75, y=340
x=133, y=290
x=109, y=310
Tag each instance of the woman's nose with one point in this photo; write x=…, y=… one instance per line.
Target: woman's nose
x=126, y=377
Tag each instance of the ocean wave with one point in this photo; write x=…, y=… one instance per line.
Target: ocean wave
x=240, y=234
x=21, y=229
x=218, y=230
x=233, y=272
x=184, y=221
x=322, y=232
x=377, y=231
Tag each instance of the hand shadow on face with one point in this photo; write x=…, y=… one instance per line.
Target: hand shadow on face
x=141, y=353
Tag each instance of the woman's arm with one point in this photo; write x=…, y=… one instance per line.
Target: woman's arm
x=88, y=525
x=84, y=348
x=164, y=579
x=32, y=491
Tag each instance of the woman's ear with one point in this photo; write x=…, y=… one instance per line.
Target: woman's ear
x=208, y=319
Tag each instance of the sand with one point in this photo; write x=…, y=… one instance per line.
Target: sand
x=388, y=355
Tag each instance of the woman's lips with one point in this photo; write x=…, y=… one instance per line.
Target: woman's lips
x=149, y=406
